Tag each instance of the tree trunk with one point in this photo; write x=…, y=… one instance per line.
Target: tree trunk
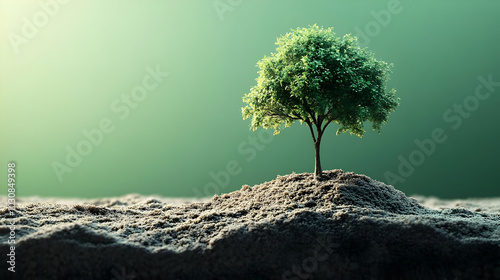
x=317, y=169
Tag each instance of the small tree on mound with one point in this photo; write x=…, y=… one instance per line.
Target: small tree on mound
x=318, y=79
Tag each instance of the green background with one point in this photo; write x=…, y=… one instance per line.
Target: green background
x=88, y=54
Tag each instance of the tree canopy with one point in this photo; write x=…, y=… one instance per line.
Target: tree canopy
x=318, y=78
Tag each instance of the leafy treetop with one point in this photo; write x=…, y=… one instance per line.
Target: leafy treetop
x=318, y=78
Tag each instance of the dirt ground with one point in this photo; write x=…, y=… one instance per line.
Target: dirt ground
x=346, y=226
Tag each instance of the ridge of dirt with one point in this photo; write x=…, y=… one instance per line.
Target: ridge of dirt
x=361, y=226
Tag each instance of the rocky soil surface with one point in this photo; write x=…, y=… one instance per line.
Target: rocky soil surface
x=346, y=226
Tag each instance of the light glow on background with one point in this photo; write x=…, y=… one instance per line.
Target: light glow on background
x=90, y=53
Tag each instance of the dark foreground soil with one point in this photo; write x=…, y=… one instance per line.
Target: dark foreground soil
x=346, y=226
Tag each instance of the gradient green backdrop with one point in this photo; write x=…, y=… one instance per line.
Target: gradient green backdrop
x=84, y=55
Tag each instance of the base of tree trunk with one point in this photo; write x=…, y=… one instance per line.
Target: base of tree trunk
x=319, y=177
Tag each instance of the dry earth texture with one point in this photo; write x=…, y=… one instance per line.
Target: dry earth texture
x=346, y=226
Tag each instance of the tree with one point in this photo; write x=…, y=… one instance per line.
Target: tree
x=317, y=78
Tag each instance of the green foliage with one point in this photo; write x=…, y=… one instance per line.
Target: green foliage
x=318, y=78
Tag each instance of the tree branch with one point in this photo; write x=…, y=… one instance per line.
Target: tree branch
x=319, y=132
x=320, y=120
x=311, y=129
x=324, y=127
x=284, y=115
x=311, y=115
x=309, y=111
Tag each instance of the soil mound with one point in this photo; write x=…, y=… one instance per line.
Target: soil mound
x=344, y=226
x=336, y=189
